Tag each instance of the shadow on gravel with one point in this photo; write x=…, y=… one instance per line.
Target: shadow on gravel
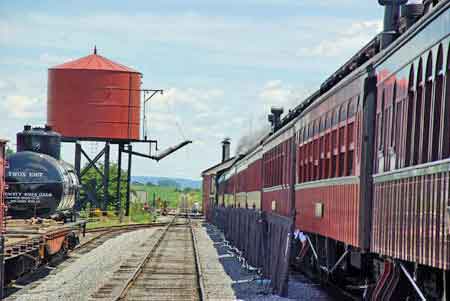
x=34, y=277
x=244, y=286
x=245, y=283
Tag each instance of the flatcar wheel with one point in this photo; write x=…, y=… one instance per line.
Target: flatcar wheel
x=72, y=241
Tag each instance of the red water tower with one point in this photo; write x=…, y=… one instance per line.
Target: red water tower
x=94, y=98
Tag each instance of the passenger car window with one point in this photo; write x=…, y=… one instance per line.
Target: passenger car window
x=343, y=112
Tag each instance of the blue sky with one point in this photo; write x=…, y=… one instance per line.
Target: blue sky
x=222, y=64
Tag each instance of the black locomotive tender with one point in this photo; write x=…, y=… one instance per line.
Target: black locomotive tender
x=39, y=183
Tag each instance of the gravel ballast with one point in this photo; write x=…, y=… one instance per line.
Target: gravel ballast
x=81, y=276
x=224, y=278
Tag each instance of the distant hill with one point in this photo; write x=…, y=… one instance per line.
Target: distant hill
x=172, y=182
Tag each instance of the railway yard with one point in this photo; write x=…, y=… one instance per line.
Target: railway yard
x=345, y=194
x=180, y=259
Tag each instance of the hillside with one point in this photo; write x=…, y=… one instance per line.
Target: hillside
x=168, y=182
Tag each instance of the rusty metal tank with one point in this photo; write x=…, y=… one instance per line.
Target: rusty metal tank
x=94, y=98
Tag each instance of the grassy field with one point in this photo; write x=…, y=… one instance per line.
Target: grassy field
x=138, y=215
x=97, y=219
x=170, y=194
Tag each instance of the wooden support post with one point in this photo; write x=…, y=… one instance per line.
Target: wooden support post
x=119, y=182
x=106, y=178
x=78, y=158
x=130, y=156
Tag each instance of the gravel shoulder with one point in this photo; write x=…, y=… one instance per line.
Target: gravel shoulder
x=80, y=276
x=225, y=279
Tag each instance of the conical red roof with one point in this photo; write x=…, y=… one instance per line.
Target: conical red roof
x=95, y=62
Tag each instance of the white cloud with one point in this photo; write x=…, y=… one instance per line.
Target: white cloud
x=196, y=99
x=22, y=107
x=277, y=93
x=7, y=30
x=273, y=93
x=337, y=44
x=165, y=111
x=218, y=66
x=238, y=41
x=187, y=113
x=22, y=98
x=51, y=60
x=7, y=85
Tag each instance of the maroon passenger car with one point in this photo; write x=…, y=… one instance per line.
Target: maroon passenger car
x=363, y=165
x=412, y=149
x=328, y=168
x=278, y=172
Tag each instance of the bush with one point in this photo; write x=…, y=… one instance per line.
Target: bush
x=97, y=212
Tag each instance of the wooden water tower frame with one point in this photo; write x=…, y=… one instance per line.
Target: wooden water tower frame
x=124, y=146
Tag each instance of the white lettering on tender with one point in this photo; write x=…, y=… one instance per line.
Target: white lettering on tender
x=35, y=174
x=16, y=174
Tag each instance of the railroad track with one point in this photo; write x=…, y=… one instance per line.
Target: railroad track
x=167, y=269
x=98, y=240
x=106, y=233
x=129, y=226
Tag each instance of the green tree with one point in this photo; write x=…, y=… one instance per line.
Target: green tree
x=9, y=151
x=168, y=183
x=93, y=180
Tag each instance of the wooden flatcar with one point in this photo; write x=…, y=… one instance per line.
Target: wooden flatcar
x=30, y=242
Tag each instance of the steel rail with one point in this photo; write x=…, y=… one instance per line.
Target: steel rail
x=119, y=227
x=91, y=240
x=137, y=272
x=198, y=267
x=109, y=230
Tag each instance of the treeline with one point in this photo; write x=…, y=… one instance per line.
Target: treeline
x=167, y=183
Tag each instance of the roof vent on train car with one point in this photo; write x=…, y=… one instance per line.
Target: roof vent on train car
x=226, y=149
x=410, y=13
x=275, y=117
x=391, y=20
